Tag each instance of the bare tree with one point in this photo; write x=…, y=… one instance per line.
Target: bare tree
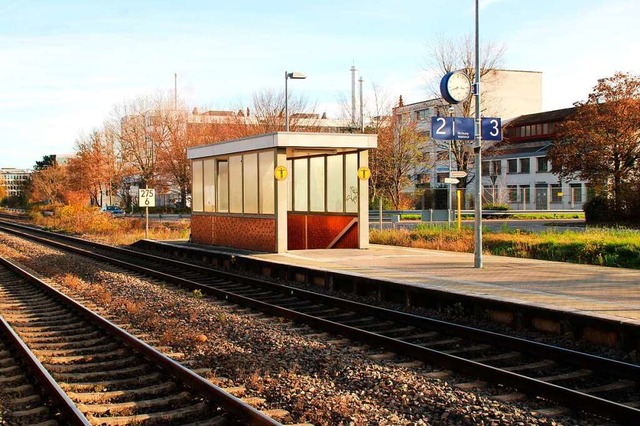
x=401, y=152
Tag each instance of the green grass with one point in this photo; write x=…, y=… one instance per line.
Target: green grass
x=597, y=246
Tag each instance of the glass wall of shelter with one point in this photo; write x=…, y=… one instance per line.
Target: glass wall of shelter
x=244, y=183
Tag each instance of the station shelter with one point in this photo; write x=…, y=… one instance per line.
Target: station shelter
x=282, y=191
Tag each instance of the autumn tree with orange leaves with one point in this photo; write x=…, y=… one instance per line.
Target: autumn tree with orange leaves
x=600, y=143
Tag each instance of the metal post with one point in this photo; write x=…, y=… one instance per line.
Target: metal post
x=286, y=102
x=449, y=185
x=459, y=195
x=478, y=208
x=146, y=226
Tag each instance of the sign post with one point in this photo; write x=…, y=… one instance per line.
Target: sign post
x=146, y=198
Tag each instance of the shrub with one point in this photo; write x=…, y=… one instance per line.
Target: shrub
x=496, y=207
x=596, y=209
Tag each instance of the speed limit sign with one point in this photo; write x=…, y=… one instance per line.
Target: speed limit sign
x=146, y=197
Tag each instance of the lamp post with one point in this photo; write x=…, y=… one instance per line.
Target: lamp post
x=287, y=76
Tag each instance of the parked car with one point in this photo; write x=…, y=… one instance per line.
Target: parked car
x=113, y=210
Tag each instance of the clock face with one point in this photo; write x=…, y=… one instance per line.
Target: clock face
x=458, y=86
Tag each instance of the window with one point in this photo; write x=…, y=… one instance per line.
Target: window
x=209, y=173
x=351, y=182
x=543, y=164
x=512, y=193
x=422, y=115
x=576, y=192
x=300, y=188
x=545, y=128
x=316, y=187
x=496, y=167
x=267, y=182
x=197, y=196
x=525, y=193
x=512, y=166
x=223, y=186
x=235, y=184
x=335, y=184
x=250, y=182
x=524, y=165
x=485, y=168
x=556, y=193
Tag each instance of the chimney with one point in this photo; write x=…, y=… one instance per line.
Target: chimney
x=353, y=94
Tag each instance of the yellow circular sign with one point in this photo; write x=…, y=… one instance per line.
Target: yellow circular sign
x=364, y=173
x=281, y=173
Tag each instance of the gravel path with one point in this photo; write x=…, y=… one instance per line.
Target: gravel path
x=319, y=379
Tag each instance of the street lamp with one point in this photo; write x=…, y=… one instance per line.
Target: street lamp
x=287, y=76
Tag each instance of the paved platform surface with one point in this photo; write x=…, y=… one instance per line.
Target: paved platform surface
x=611, y=293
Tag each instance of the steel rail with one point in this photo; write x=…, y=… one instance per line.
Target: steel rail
x=67, y=407
x=572, y=398
x=208, y=390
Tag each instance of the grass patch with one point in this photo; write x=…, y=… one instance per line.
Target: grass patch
x=598, y=246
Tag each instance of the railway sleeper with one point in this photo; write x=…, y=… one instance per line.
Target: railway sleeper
x=115, y=395
x=56, y=328
x=9, y=369
x=73, y=364
x=39, y=333
x=160, y=416
x=17, y=391
x=23, y=402
x=468, y=349
x=13, y=380
x=128, y=372
x=93, y=386
x=154, y=404
x=572, y=375
x=69, y=344
x=63, y=339
x=31, y=416
x=610, y=387
x=97, y=350
x=547, y=363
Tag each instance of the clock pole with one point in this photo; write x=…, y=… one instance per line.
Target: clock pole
x=478, y=148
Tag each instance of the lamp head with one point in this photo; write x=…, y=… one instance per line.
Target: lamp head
x=296, y=75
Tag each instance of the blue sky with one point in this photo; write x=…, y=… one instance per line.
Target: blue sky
x=64, y=65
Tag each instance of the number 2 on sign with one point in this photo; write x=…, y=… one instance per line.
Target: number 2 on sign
x=442, y=122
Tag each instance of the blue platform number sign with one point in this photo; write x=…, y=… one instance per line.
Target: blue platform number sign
x=463, y=129
x=452, y=128
x=491, y=129
x=442, y=128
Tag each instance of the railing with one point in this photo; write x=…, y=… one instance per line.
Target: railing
x=436, y=215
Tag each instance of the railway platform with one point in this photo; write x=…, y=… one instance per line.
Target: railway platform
x=598, y=304
x=612, y=293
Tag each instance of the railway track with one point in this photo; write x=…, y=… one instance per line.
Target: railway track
x=580, y=381
x=28, y=393
x=107, y=375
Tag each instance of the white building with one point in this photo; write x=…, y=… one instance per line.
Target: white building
x=518, y=173
x=13, y=180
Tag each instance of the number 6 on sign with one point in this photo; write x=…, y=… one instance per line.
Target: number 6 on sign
x=147, y=197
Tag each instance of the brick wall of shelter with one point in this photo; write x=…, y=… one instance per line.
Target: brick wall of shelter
x=247, y=233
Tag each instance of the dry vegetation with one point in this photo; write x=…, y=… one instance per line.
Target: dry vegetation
x=90, y=222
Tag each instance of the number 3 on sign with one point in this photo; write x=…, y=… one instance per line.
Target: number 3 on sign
x=146, y=197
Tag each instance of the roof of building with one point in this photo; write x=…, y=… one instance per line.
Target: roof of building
x=543, y=117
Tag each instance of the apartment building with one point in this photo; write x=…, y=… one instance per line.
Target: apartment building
x=517, y=172
x=13, y=180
